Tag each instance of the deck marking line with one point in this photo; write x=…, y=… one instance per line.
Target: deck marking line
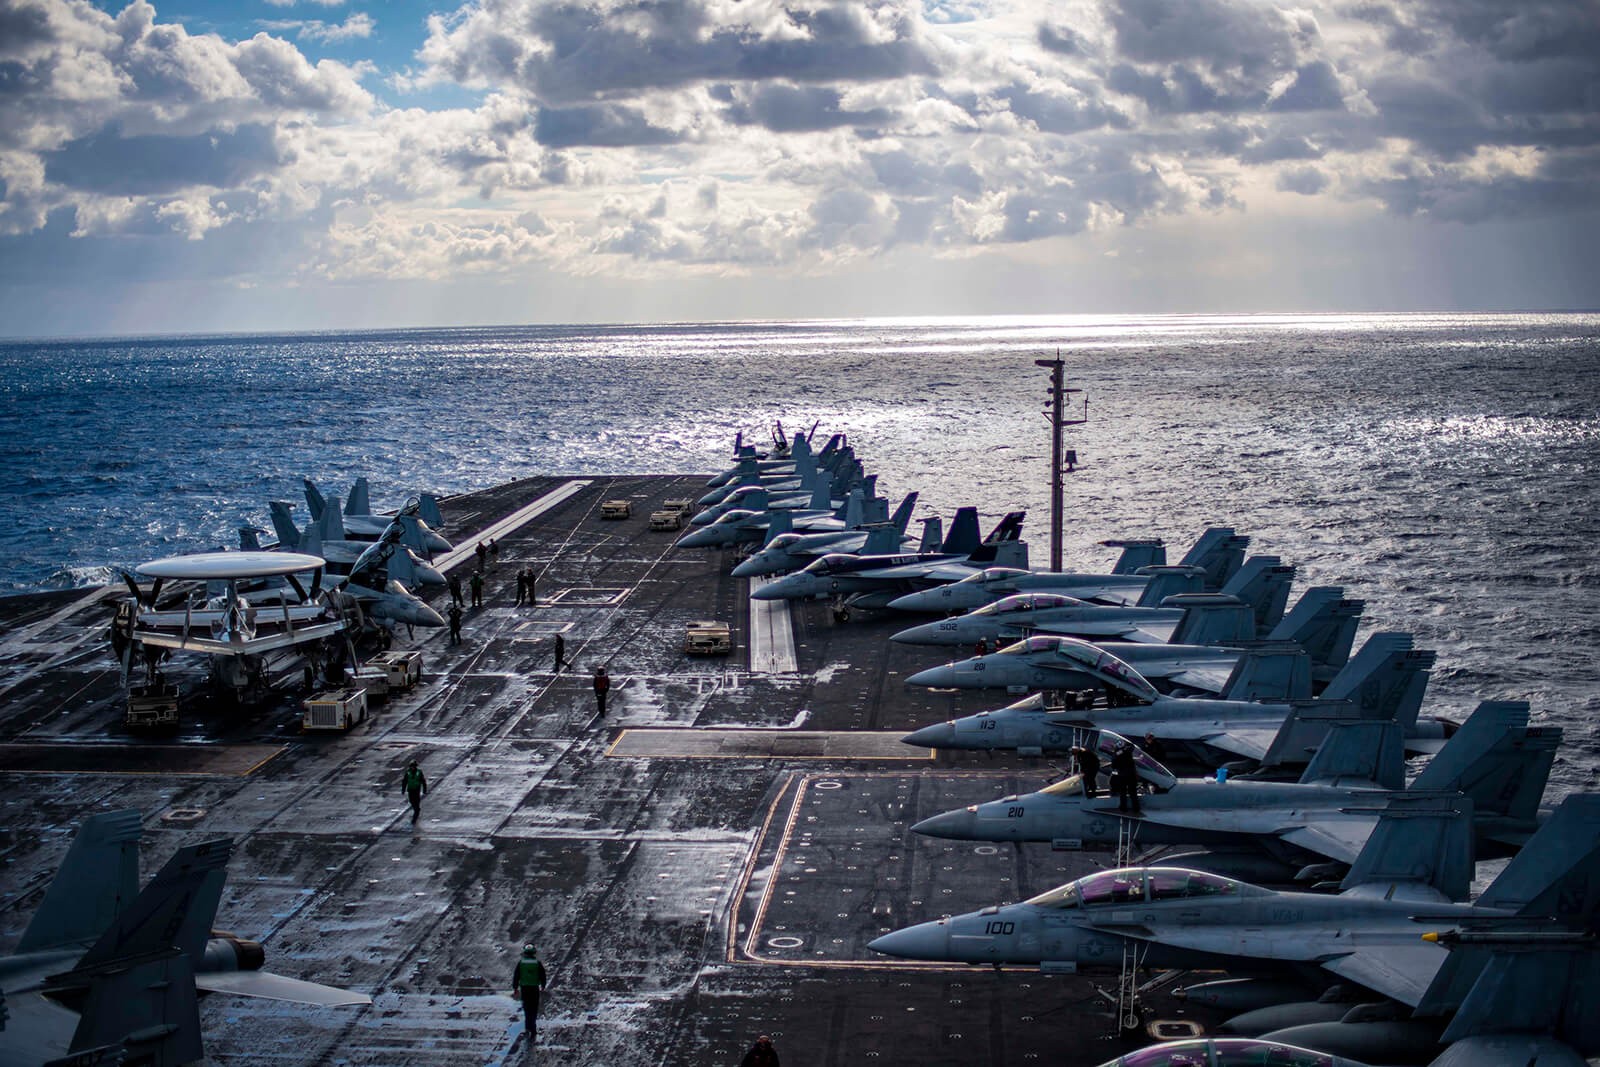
x=771, y=634
x=516, y=519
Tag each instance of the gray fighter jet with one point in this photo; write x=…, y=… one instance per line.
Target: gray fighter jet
x=360, y=524
x=105, y=969
x=1496, y=758
x=869, y=536
x=1262, y=583
x=1219, y=553
x=870, y=582
x=1200, y=658
x=1385, y=681
x=402, y=545
x=1410, y=878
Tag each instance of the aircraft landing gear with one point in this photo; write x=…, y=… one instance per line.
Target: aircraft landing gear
x=841, y=612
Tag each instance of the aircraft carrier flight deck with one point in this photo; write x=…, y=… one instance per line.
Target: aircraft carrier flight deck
x=705, y=863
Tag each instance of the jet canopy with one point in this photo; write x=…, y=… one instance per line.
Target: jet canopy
x=1073, y=654
x=1026, y=602
x=1137, y=885
x=993, y=574
x=1224, y=1052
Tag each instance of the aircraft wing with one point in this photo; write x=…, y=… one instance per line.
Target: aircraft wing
x=1226, y=820
x=277, y=987
x=1403, y=972
x=1244, y=739
x=1089, y=630
x=1210, y=677
x=1339, y=837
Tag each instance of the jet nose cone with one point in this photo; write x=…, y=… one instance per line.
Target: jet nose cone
x=952, y=825
x=753, y=567
x=696, y=539
x=925, y=941
x=921, y=600
x=939, y=735
x=429, y=576
x=935, y=677
x=929, y=633
x=769, y=591
x=436, y=543
x=423, y=615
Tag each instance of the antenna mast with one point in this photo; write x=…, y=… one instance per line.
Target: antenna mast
x=1061, y=462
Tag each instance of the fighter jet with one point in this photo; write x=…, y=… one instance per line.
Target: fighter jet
x=1218, y=553
x=106, y=970
x=361, y=525
x=402, y=544
x=1496, y=759
x=870, y=582
x=751, y=467
x=872, y=536
x=747, y=526
x=1200, y=657
x=1262, y=583
x=1385, y=681
x=1411, y=877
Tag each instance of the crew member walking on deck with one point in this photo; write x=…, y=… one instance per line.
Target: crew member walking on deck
x=455, y=590
x=527, y=981
x=533, y=592
x=494, y=551
x=761, y=1054
x=602, y=686
x=455, y=624
x=561, y=653
x=477, y=589
x=482, y=552
x=522, y=587
x=1125, y=773
x=415, y=787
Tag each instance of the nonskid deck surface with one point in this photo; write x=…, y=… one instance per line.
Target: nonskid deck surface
x=682, y=903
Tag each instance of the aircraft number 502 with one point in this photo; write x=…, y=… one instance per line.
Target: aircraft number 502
x=998, y=927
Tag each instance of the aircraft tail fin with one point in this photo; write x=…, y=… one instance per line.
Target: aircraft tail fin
x=1497, y=760
x=1263, y=583
x=1386, y=680
x=97, y=880
x=780, y=523
x=176, y=909
x=853, y=515
x=1138, y=553
x=411, y=534
x=311, y=540
x=1220, y=552
x=882, y=540
x=428, y=510
x=1211, y=619
x=315, y=501
x=1001, y=554
x=249, y=539
x=1360, y=750
x=1557, y=873
x=359, y=501
x=1009, y=528
x=932, y=534
x=1324, y=624
x=963, y=536
x=874, y=509
x=1533, y=990
x=332, y=521
x=1421, y=840
x=283, y=524
x=902, y=514
x=1270, y=672
x=1168, y=581
x=821, y=496
x=805, y=468
x=143, y=1009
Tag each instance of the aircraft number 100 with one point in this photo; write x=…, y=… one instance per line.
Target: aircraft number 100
x=1000, y=927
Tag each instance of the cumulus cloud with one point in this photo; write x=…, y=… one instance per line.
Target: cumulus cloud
x=705, y=135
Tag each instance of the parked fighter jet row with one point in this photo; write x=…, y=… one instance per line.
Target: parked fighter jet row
x=1336, y=892
x=345, y=571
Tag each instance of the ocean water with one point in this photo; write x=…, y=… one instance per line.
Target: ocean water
x=1441, y=467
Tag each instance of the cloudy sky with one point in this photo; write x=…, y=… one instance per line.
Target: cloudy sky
x=328, y=163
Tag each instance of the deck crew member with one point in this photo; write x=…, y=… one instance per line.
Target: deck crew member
x=602, y=685
x=561, y=653
x=1088, y=766
x=761, y=1054
x=415, y=786
x=1125, y=776
x=522, y=587
x=527, y=981
x=477, y=589
x=455, y=624
x=455, y=590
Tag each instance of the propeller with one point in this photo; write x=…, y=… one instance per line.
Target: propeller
x=138, y=596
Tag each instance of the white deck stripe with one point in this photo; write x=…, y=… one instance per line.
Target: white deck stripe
x=517, y=518
x=771, y=635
